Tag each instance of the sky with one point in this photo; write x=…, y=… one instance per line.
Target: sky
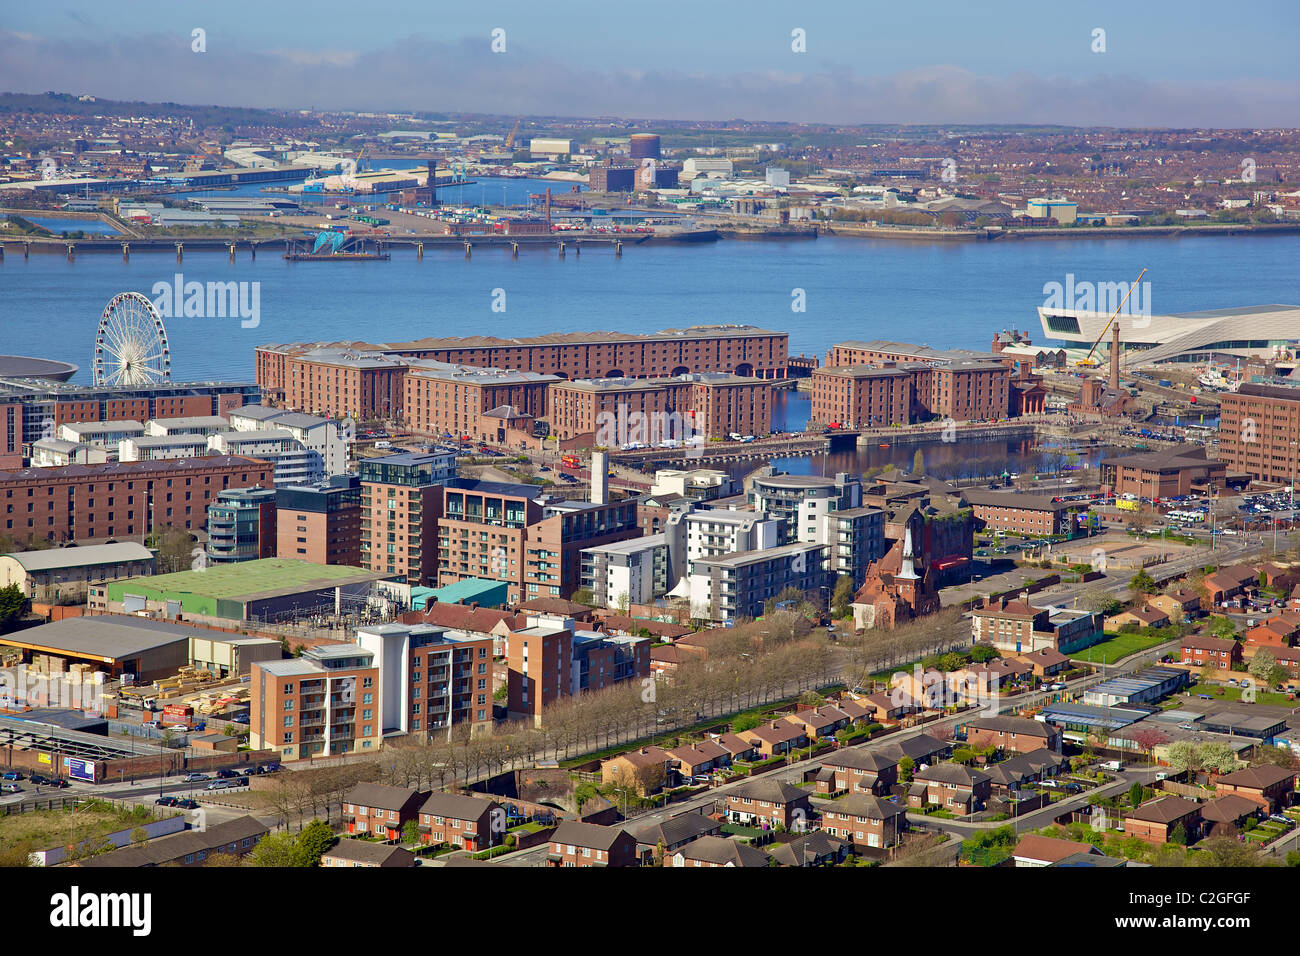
x=1155, y=63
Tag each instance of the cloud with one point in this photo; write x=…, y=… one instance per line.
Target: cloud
x=421, y=74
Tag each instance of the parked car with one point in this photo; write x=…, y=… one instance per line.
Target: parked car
x=11, y=776
x=166, y=801
x=186, y=804
x=39, y=778
x=58, y=782
x=195, y=777
x=226, y=774
x=10, y=788
x=224, y=784
x=239, y=719
x=271, y=768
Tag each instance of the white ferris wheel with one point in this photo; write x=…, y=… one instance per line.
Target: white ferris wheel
x=131, y=343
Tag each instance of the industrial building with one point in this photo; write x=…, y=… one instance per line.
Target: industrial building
x=1141, y=688
x=61, y=575
x=148, y=650
x=270, y=589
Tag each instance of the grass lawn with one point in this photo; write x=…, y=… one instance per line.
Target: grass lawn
x=1261, y=696
x=43, y=829
x=1116, y=647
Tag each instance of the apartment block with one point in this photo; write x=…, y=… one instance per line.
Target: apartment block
x=242, y=525
x=737, y=585
x=320, y=523
x=429, y=677
x=400, y=502
x=1258, y=429
x=323, y=703
x=635, y=571
x=863, y=396
x=801, y=502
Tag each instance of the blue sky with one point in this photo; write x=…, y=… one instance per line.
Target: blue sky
x=1165, y=63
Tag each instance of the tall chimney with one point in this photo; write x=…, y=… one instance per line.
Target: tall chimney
x=600, y=477
x=432, y=184
x=548, y=205
x=1114, y=358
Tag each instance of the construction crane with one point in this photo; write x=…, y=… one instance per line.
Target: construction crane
x=1089, y=361
x=510, y=140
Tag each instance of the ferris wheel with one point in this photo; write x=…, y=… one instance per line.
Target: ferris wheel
x=131, y=343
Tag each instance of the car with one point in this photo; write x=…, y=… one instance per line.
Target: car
x=10, y=788
x=1056, y=686
x=239, y=719
x=166, y=801
x=224, y=784
x=11, y=776
x=39, y=778
x=1072, y=788
x=275, y=767
x=195, y=777
x=186, y=804
x=58, y=782
x=226, y=774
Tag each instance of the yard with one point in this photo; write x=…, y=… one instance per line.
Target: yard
x=1118, y=646
x=43, y=829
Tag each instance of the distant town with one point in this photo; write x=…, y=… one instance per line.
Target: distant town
x=114, y=174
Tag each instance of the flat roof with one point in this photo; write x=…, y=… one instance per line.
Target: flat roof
x=246, y=580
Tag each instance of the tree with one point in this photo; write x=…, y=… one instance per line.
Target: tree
x=175, y=546
x=842, y=596
x=12, y=602
x=411, y=831
x=223, y=859
x=622, y=602
x=1135, y=795
x=275, y=850
x=1267, y=756
x=905, y=768
x=1179, y=835
x=1265, y=668
x=139, y=836
x=313, y=842
x=583, y=596
x=918, y=463
x=1222, y=628
x=1143, y=583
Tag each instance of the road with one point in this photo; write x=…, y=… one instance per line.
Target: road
x=794, y=773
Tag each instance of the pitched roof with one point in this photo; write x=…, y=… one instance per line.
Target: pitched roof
x=1014, y=725
x=363, y=851
x=770, y=789
x=776, y=731
x=1049, y=849
x=863, y=805
x=698, y=753
x=720, y=850
x=1164, y=810
x=918, y=747
x=807, y=849
x=586, y=834
x=675, y=830
x=952, y=773
x=1257, y=778
x=1228, y=809
x=380, y=796
x=651, y=756
x=457, y=806
x=734, y=743
x=1046, y=656
x=168, y=848
x=853, y=758
x=463, y=617
x=1206, y=643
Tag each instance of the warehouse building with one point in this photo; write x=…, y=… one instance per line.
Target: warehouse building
x=270, y=589
x=62, y=575
x=149, y=650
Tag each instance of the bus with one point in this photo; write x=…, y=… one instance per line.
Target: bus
x=570, y=461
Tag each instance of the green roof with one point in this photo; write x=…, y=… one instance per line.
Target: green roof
x=488, y=593
x=240, y=582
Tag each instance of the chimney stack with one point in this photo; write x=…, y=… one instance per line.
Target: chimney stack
x=1114, y=358
x=600, y=477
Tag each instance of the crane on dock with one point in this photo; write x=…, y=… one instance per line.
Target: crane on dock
x=1089, y=361
x=510, y=140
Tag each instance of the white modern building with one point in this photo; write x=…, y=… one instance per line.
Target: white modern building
x=712, y=167
x=715, y=532
x=294, y=463
x=321, y=436
x=160, y=447
x=636, y=571
x=55, y=452
x=193, y=425
x=104, y=435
